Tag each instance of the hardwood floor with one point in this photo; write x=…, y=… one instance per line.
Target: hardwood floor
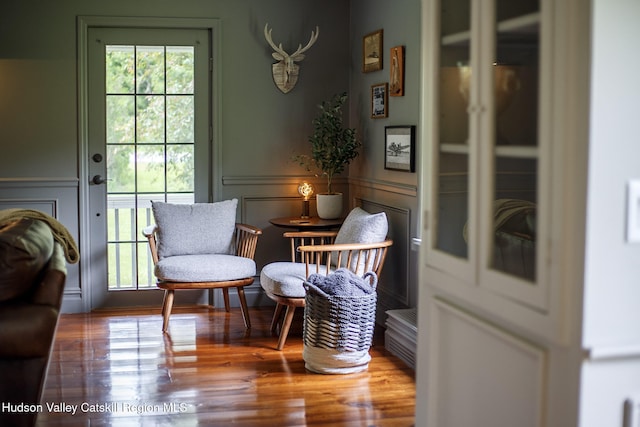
x=116, y=368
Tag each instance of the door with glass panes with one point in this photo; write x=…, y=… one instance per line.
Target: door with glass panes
x=148, y=123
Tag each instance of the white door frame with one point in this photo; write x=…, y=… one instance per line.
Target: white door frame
x=83, y=25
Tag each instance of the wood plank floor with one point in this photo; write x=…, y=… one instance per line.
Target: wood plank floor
x=121, y=370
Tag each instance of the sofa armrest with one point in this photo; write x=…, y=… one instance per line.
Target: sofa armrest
x=50, y=288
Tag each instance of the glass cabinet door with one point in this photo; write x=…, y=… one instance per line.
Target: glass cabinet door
x=452, y=198
x=486, y=145
x=514, y=199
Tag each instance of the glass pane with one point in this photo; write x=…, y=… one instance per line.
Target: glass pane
x=121, y=265
x=112, y=265
x=146, y=279
x=150, y=69
x=454, y=91
x=515, y=9
x=181, y=198
x=121, y=219
x=150, y=168
x=120, y=77
x=144, y=202
x=180, y=123
x=120, y=119
x=180, y=69
x=516, y=78
x=180, y=168
x=150, y=119
x=453, y=200
x=145, y=216
x=121, y=168
x=455, y=16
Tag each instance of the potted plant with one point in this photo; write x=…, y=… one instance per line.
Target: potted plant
x=333, y=146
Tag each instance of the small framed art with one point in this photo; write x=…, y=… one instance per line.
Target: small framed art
x=379, y=100
x=399, y=148
x=372, y=52
x=396, y=71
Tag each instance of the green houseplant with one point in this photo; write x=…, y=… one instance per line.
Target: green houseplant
x=333, y=147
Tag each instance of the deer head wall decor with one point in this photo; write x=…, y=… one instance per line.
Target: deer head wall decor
x=285, y=72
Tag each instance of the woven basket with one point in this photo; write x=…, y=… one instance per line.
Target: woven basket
x=338, y=330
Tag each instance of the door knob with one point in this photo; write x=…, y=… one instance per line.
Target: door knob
x=98, y=179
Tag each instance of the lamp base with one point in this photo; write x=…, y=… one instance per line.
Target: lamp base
x=305, y=209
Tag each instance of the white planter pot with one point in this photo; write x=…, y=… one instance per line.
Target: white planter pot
x=329, y=206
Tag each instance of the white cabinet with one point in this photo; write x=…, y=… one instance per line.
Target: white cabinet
x=487, y=140
x=490, y=294
x=542, y=336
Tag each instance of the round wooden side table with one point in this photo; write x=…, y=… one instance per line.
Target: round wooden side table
x=307, y=224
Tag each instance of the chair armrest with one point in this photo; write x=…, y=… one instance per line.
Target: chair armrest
x=345, y=246
x=150, y=233
x=246, y=239
x=149, y=230
x=248, y=228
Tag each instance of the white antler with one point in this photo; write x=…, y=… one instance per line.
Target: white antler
x=282, y=55
x=299, y=53
x=277, y=49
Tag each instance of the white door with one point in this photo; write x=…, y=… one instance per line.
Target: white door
x=149, y=139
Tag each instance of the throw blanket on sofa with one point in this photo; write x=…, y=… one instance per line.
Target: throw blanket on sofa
x=60, y=232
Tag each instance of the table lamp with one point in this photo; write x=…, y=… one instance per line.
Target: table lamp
x=306, y=191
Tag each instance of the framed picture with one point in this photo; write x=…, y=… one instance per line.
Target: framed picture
x=396, y=73
x=372, y=52
x=399, y=148
x=379, y=100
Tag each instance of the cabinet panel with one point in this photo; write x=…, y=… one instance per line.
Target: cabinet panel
x=483, y=375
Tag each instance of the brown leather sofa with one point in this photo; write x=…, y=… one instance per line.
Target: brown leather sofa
x=32, y=278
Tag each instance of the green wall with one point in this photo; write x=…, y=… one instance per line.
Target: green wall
x=371, y=185
x=257, y=130
x=38, y=84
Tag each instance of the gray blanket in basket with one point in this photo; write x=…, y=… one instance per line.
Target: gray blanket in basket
x=342, y=283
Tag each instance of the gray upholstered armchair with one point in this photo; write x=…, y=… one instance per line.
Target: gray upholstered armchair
x=200, y=246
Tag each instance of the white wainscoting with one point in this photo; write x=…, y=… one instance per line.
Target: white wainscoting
x=480, y=374
x=57, y=197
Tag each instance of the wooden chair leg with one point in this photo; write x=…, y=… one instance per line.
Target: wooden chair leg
x=164, y=302
x=276, y=317
x=225, y=295
x=286, y=324
x=166, y=308
x=243, y=307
